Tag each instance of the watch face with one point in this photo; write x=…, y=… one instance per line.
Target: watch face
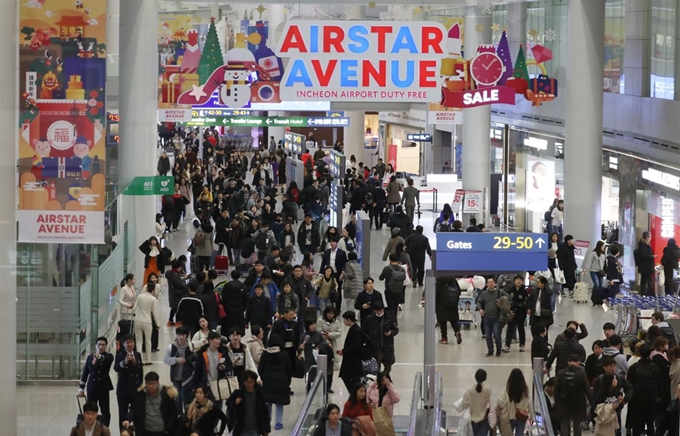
x=486, y=69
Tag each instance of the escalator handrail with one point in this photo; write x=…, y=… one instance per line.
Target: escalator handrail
x=415, y=402
x=437, y=410
x=542, y=405
x=319, y=383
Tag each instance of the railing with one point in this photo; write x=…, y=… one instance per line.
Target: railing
x=436, y=420
x=415, y=403
x=315, y=400
x=542, y=424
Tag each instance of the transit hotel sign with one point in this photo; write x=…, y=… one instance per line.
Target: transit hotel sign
x=362, y=61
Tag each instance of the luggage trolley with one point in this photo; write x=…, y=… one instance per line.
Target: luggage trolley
x=467, y=312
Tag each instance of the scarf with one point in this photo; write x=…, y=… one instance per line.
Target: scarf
x=196, y=411
x=273, y=350
x=154, y=252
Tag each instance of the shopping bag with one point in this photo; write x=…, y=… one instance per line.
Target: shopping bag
x=662, y=277
x=408, y=281
x=224, y=387
x=363, y=426
x=382, y=420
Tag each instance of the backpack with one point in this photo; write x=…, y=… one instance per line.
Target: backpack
x=569, y=384
x=247, y=247
x=295, y=195
x=198, y=239
x=646, y=383
x=262, y=241
x=452, y=297
x=445, y=226
x=349, y=243
x=397, y=279
x=547, y=216
x=368, y=198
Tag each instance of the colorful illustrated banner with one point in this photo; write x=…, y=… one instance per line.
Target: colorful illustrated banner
x=62, y=57
x=362, y=61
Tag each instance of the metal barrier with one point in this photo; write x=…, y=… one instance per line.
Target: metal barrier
x=435, y=206
x=436, y=413
x=316, y=398
x=542, y=424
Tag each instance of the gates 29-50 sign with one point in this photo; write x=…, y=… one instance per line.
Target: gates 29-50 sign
x=362, y=60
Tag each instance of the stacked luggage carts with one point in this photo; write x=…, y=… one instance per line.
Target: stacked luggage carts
x=634, y=312
x=239, y=142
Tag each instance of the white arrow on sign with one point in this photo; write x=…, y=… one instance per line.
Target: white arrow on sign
x=269, y=120
x=309, y=121
x=540, y=242
x=224, y=121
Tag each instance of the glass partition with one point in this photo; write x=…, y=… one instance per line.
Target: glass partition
x=311, y=409
x=415, y=404
x=436, y=422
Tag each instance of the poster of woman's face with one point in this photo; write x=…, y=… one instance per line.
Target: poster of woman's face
x=540, y=184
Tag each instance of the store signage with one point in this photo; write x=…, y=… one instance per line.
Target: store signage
x=580, y=250
x=472, y=202
x=419, y=137
x=62, y=226
x=338, y=162
x=661, y=178
x=667, y=218
x=154, y=185
x=362, y=60
x=174, y=115
x=250, y=121
x=490, y=252
x=537, y=143
x=491, y=77
x=457, y=200
x=198, y=112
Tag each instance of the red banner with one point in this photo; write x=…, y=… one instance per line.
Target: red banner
x=478, y=97
x=392, y=156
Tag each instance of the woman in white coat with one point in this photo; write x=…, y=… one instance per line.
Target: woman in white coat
x=126, y=297
x=144, y=309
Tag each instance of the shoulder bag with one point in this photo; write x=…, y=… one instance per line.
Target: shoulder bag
x=490, y=412
x=559, y=274
x=224, y=387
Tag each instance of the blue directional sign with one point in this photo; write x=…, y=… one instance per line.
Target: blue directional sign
x=492, y=252
x=419, y=137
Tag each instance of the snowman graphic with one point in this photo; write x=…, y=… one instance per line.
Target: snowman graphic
x=231, y=80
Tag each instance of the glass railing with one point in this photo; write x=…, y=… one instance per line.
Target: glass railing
x=541, y=425
x=436, y=416
x=311, y=409
x=416, y=400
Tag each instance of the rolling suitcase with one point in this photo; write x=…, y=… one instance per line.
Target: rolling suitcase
x=581, y=291
x=222, y=264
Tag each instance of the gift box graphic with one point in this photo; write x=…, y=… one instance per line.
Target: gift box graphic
x=170, y=92
x=61, y=168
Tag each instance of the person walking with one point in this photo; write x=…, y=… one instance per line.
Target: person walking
x=644, y=261
x=645, y=377
x=447, y=296
x=394, y=276
x=90, y=426
x=203, y=416
x=234, y=298
x=154, y=412
x=212, y=364
x=248, y=408
x=571, y=391
x=177, y=287
x=410, y=198
x=203, y=244
x=490, y=310
x=353, y=282
x=564, y=350
x=96, y=380
x=126, y=298
x=365, y=299
x=519, y=309
x=190, y=309
x=276, y=369
x=557, y=219
x=567, y=261
x=669, y=261
x=418, y=246
x=477, y=398
x=176, y=356
x=540, y=310
x=393, y=190
x=513, y=407
x=144, y=310
x=351, y=369
x=381, y=328
x=128, y=365
x=597, y=265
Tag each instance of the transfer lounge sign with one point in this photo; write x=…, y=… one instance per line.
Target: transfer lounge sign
x=364, y=61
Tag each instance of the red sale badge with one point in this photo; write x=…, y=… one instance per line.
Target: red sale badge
x=472, y=202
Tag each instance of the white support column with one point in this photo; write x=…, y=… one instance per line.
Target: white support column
x=354, y=137
x=9, y=112
x=583, y=147
x=138, y=109
x=476, y=121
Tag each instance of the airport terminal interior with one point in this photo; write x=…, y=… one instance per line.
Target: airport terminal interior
x=533, y=143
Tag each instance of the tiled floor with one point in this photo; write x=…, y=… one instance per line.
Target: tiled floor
x=51, y=410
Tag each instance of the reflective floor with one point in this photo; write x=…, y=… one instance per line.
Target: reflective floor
x=51, y=410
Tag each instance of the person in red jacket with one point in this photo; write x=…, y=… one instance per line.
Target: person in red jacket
x=357, y=404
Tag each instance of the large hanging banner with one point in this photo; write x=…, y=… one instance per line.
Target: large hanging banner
x=62, y=77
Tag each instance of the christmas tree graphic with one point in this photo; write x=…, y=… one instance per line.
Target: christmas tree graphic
x=211, y=58
x=503, y=51
x=521, y=71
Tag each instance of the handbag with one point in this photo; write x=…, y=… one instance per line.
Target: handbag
x=559, y=274
x=408, y=281
x=363, y=426
x=521, y=414
x=382, y=420
x=490, y=412
x=299, y=370
x=547, y=317
x=369, y=366
x=224, y=387
x=220, y=308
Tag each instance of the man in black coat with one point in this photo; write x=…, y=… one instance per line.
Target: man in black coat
x=381, y=329
x=379, y=204
x=308, y=237
x=237, y=404
x=351, y=369
x=417, y=246
x=96, y=376
x=234, y=300
x=571, y=391
x=564, y=349
x=255, y=273
x=305, y=291
x=289, y=331
x=356, y=197
x=128, y=365
x=644, y=260
x=567, y=261
x=336, y=259
x=190, y=309
x=176, y=288
x=154, y=412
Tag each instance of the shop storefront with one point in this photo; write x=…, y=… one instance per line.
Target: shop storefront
x=403, y=154
x=637, y=194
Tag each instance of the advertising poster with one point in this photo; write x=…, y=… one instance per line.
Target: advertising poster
x=61, y=162
x=472, y=202
x=540, y=184
x=392, y=151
